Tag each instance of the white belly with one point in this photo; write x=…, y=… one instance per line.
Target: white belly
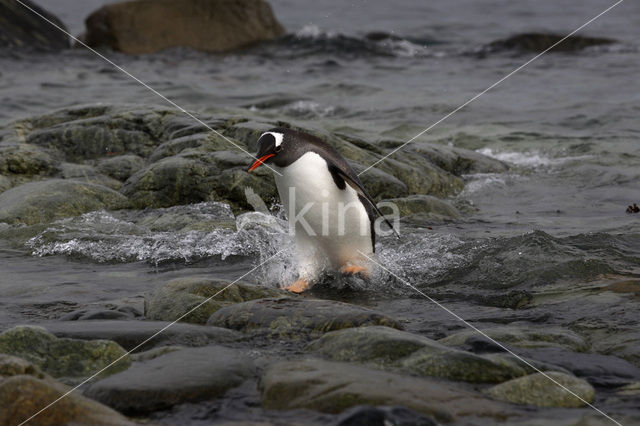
x=331, y=220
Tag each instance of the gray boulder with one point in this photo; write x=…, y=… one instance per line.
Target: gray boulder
x=296, y=318
x=179, y=296
x=63, y=357
x=209, y=25
x=131, y=333
x=332, y=387
x=44, y=201
x=179, y=376
x=539, y=390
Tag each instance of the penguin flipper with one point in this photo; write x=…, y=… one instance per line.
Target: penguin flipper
x=355, y=183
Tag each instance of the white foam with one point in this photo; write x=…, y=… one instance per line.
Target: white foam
x=527, y=159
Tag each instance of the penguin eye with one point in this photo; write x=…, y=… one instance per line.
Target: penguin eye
x=278, y=148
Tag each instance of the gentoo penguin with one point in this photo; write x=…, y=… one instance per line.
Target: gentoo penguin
x=328, y=208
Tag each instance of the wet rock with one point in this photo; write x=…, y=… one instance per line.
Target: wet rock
x=14, y=366
x=620, y=343
x=384, y=347
x=62, y=357
x=424, y=208
x=214, y=26
x=458, y=161
x=599, y=370
x=101, y=314
x=538, y=42
x=383, y=416
x=23, y=159
x=130, y=334
x=333, y=387
x=21, y=28
x=179, y=296
x=192, y=217
x=21, y=396
x=538, y=390
x=296, y=318
x=88, y=174
x=525, y=337
x=5, y=184
x=171, y=181
x=380, y=184
x=44, y=201
x=186, y=375
x=121, y=167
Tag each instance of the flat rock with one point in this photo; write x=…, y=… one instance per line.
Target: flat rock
x=209, y=25
x=44, y=201
x=333, y=387
x=388, y=348
x=20, y=28
x=130, y=334
x=424, y=208
x=21, y=396
x=186, y=375
x=383, y=416
x=538, y=42
x=179, y=296
x=63, y=357
x=538, y=390
x=295, y=318
x=525, y=337
x=597, y=369
x=458, y=161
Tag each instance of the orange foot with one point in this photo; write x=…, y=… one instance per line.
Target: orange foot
x=299, y=286
x=355, y=270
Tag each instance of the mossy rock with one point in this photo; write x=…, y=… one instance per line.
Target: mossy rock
x=296, y=318
x=525, y=337
x=542, y=391
x=388, y=348
x=62, y=357
x=24, y=159
x=179, y=296
x=45, y=201
x=424, y=208
x=22, y=396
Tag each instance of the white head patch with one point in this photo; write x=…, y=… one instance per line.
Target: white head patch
x=278, y=137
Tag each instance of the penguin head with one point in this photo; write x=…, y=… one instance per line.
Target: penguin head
x=274, y=146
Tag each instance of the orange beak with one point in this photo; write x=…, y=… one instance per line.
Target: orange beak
x=260, y=161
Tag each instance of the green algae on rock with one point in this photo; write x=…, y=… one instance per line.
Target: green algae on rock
x=44, y=201
x=179, y=296
x=332, y=387
x=62, y=357
x=296, y=318
x=537, y=389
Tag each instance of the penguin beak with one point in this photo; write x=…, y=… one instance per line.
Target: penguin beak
x=260, y=161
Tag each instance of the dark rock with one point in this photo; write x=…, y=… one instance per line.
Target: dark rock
x=186, y=375
x=383, y=416
x=121, y=167
x=599, y=370
x=525, y=337
x=333, y=387
x=209, y=25
x=63, y=357
x=22, y=396
x=424, y=208
x=179, y=296
x=14, y=366
x=21, y=28
x=458, y=161
x=44, y=201
x=97, y=314
x=383, y=347
x=296, y=318
x=538, y=42
x=130, y=334
x=24, y=159
x=539, y=390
